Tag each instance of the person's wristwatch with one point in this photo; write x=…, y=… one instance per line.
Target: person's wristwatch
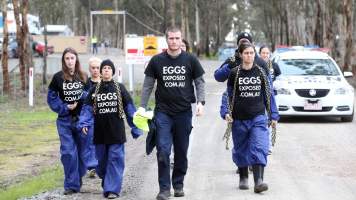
x=202, y=102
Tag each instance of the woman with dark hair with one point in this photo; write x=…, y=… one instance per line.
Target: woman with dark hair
x=66, y=93
x=185, y=45
x=274, y=71
x=250, y=95
x=273, y=67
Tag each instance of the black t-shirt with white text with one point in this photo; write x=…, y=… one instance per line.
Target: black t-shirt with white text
x=249, y=100
x=175, y=91
x=68, y=91
x=109, y=128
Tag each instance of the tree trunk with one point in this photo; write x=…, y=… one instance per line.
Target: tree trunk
x=328, y=28
x=319, y=29
x=207, y=32
x=4, y=57
x=347, y=5
x=27, y=56
x=197, y=28
x=280, y=24
x=169, y=14
x=20, y=42
x=218, y=34
x=75, y=16
x=186, y=14
x=183, y=19
x=286, y=23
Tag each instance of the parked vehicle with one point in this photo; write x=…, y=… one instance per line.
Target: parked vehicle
x=12, y=49
x=312, y=84
x=39, y=47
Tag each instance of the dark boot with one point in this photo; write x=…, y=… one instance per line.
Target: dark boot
x=178, y=192
x=258, y=171
x=243, y=171
x=163, y=195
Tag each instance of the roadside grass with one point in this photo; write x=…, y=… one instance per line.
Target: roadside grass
x=29, y=149
x=137, y=100
x=48, y=179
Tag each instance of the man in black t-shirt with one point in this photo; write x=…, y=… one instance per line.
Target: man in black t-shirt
x=175, y=72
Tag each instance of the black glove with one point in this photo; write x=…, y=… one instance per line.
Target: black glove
x=232, y=62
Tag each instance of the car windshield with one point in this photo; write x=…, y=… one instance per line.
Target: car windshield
x=312, y=67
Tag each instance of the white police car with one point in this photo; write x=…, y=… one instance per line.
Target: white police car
x=312, y=84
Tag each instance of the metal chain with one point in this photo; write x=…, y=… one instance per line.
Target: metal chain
x=119, y=100
x=228, y=131
x=268, y=96
x=97, y=87
x=270, y=65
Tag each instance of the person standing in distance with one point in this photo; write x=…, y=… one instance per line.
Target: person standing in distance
x=175, y=71
x=273, y=67
x=185, y=45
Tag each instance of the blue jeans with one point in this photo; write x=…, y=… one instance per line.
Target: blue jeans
x=172, y=130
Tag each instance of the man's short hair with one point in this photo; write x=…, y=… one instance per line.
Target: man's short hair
x=172, y=29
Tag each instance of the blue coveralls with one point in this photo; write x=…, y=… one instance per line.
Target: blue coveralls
x=250, y=137
x=88, y=153
x=71, y=142
x=111, y=157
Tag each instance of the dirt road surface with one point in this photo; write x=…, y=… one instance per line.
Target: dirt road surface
x=313, y=159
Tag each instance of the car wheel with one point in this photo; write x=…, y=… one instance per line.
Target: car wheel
x=347, y=118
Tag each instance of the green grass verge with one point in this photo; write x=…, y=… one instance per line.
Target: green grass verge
x=25, y=133
x=137, y=100
x=48, y=179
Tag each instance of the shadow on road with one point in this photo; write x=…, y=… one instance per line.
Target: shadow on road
x=311, y=120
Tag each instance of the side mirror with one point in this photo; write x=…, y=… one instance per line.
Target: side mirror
x=348, y=74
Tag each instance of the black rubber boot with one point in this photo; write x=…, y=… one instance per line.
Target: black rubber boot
x=163, y=195
x=243, y=171
x=260, y=186
x=178, y=192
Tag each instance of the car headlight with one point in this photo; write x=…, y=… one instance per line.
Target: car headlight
x=284, y=91
x=343, y=91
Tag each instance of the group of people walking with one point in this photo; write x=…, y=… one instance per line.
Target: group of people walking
x=91, y=114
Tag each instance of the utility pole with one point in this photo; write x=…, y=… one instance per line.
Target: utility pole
x=44, y=75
